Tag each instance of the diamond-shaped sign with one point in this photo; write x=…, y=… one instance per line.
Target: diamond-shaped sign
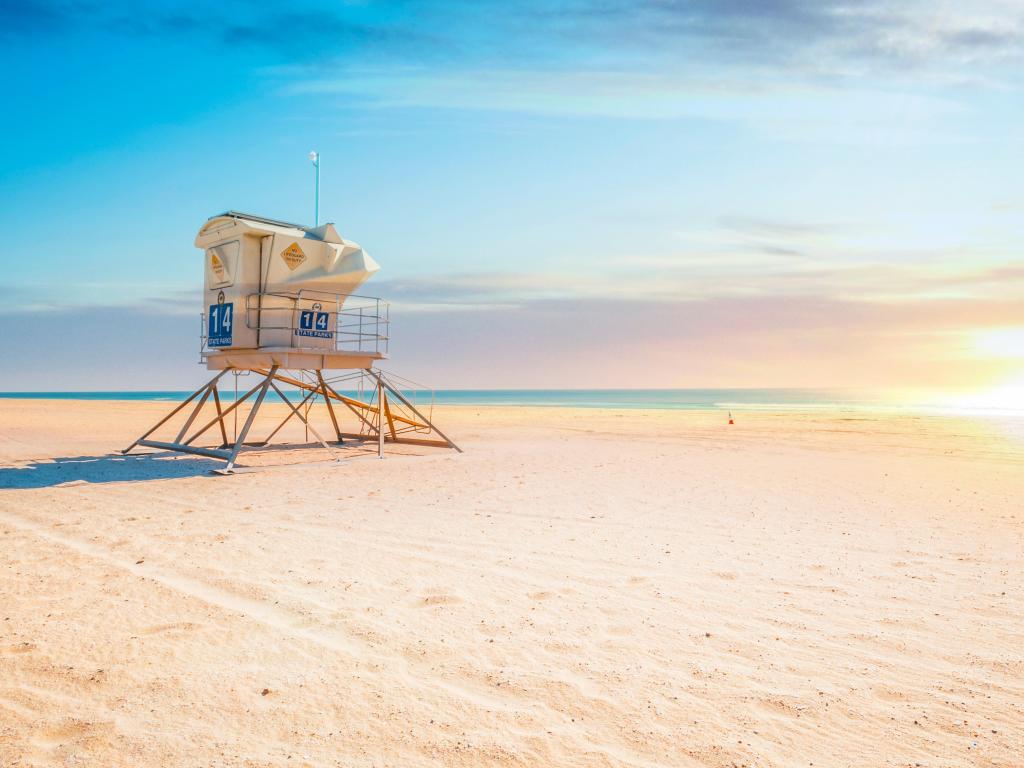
x=293, y=256
x=217, y=266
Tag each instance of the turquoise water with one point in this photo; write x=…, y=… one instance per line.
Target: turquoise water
x=803, y=400
x=671, y=399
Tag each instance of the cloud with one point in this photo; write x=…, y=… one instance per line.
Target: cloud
x=299, y=32
x=746, y=257
x=29, y=17
x=838, y=65
x=79, y=295
x=728, y=342
x=741, y=274
x=779, y=340
x=815, y=38
x=758, y=227
x=773, y=321
x=99, y=348
x=786, y=31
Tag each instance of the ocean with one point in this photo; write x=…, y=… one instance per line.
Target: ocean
x=667, y=399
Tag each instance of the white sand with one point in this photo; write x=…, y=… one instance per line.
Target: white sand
x=580, y=588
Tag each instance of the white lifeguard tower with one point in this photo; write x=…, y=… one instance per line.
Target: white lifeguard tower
x=281, y=303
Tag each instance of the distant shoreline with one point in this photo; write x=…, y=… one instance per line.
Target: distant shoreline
x=740, y=400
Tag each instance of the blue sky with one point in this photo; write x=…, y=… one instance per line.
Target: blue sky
x=590, y=193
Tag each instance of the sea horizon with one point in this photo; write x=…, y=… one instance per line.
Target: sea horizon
x=725, y=398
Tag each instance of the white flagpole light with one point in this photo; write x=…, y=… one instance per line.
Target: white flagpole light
x=314, y=157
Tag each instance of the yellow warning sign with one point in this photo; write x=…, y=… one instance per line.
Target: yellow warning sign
x=293, y=256
x=217, y=266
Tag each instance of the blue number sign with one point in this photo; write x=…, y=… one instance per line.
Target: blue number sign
x=314, y=324
x=218, y=325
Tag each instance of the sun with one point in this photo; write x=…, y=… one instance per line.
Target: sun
x=1000, y=342
x=1003, y=347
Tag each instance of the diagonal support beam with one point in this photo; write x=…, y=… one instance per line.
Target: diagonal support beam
x=351, y=402
x=192, y=416
x=252, y=416
x=212, y=453
x=385, y=385
x=327, y=402
x=220, y=413
x=298, y=413
x=285, y=420
x=387, y=414
x=380, y=419
x=384, y=419
x=330, y=393
x=227, y=410
x=211, y=383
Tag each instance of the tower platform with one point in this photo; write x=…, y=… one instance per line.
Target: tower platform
x=291, y=358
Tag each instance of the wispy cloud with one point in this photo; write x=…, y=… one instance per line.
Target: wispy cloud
x=814, y=38
x=29, y=16
x=33, y=298
x=792, y=69
x=709, y=342
x=745, y=258
x=313, y=31
x=574, y=342
x=689, y=277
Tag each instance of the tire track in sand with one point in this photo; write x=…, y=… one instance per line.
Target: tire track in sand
x=254, y=609
x=278, y=620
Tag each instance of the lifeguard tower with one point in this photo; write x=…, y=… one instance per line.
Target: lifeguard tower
x=281, y=303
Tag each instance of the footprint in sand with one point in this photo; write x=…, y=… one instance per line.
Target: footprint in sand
x=889, y=694
x=781, y=706
x=181, y=626
x=13, y=705
x=19, y=648
x=437, y=600
x=69, y=732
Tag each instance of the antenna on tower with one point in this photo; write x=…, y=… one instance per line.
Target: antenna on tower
x=314, y=158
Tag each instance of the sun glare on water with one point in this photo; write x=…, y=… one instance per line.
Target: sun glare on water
x=1007, y=344
x=1007, y=396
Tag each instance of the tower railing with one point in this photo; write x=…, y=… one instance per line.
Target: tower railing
x=317, y=320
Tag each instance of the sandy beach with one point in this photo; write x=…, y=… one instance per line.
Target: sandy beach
x=579, y=588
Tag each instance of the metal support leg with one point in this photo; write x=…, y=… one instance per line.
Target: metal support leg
x=384, y=414
x=382, y=383
x=252, y=416
x=220, y=413
x=327, y=401
x=192, y=416
x=211, y=383
x=330, y=392
x=360, y=416
x=387, y=413
x=380, y=418
x=220, y=418
x=287, y=418
x=298, y=413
